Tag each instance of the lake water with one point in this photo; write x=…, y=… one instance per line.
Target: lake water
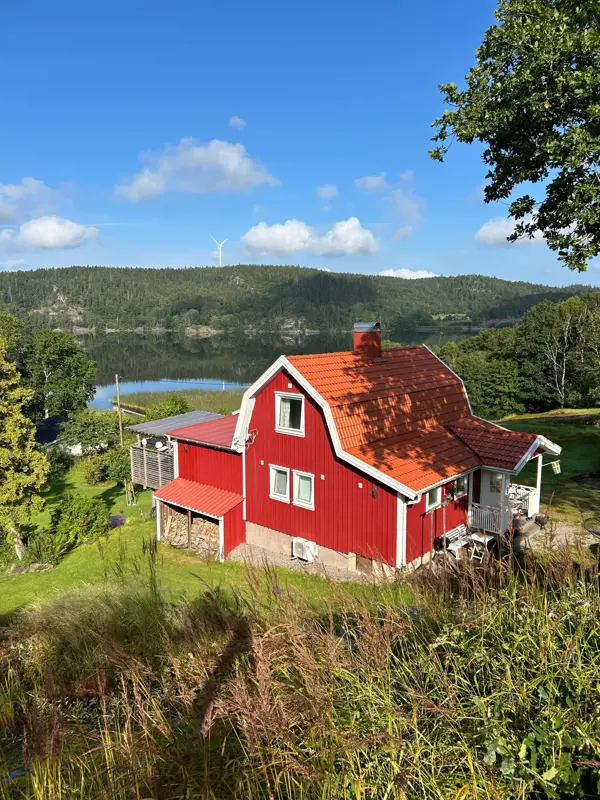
x=170, y=362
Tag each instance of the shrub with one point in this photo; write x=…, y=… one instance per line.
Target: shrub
x=170, y=407
x=94, y=469
x=76, y=520
x=60, y=461
x=118, y=464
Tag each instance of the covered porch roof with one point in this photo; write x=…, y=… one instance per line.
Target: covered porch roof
x=199, y=497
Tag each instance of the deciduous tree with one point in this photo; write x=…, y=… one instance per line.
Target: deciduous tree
x=61, y=376
x=23, y=468
x=533, y=99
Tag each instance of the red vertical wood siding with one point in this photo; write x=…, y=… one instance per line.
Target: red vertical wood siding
x=234, y=529
x=346, y=518
x=220, y=468
x=422, y=526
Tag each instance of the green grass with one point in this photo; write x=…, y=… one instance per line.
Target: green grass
x=558, y=412
x=580, y=454
x=122, y=553
x=197, y=399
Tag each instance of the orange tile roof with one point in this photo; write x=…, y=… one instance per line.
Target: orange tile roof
x=199, y=497
x=495, y=447
x=217, y=432
x=407, y=414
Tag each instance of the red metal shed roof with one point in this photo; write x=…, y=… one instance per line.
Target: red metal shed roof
x=199, y=497
x=407, y=414
x=215, y=432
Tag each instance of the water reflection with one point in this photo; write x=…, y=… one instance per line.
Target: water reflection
x=172, y=362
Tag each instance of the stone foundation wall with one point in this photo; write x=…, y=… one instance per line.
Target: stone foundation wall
x=204, y=538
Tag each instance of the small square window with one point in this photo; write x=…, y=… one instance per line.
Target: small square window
x=304, y=490
x=461, y=486
x=434, y=498
x=280, y=489
x=289, y=414
x=496, y=482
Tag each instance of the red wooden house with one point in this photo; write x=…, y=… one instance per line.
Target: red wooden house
x=344, y=457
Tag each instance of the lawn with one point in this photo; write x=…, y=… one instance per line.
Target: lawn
x=120, y=556
x=580, y=455
x=197, y=399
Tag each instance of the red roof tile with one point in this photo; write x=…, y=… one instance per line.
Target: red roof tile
x=407, y=414
x=495, y=446
x=199, y=497
x=215, y=432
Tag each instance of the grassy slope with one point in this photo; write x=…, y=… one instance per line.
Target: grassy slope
x=197, y=399
x=581, y=454
x=120, y=555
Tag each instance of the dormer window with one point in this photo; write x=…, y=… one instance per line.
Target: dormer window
x=289, y=414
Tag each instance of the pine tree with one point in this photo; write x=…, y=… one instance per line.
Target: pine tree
x=23, y=468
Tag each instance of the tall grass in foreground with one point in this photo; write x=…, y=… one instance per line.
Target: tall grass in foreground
x=488, y=687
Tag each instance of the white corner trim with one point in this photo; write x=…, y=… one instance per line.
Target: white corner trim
x=221, y=539
x=282, y=363
x=400, y=531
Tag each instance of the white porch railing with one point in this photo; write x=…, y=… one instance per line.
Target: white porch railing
x=485, y=518
x=526, y=498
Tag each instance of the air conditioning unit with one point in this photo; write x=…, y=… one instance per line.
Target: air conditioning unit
x=304, y=549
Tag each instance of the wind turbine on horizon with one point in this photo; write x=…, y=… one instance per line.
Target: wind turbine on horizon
x=220, y=246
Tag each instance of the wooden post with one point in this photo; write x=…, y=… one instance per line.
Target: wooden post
x=146, y=469
x=119, y=413
x=159, y=470
x=189, y=529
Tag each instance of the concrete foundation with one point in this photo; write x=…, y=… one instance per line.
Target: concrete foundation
x=279, y=542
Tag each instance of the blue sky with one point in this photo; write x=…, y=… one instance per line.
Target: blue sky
x=131, y=132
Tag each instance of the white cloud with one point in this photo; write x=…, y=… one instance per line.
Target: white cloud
x=193, y=167
x=372, y=183
x=49, y=233
x=407, y=175
x=13, y=263
x=347, y=237
x=495, y=232
x=280, y=239
x=237, y=122
x=410, y=274
x=328, y=191
x=16, y=199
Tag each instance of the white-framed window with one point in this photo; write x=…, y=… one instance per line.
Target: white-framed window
x=304, y=490
x=496, y=482
x=280, y=483
x=433, y=498
x=461, y=486
x=289, y=413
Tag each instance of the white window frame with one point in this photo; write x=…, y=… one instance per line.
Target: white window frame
x=494, y=476
x=301, y=503
x=279, y=396
x=282, y=498
x=438, y=502
x=458, y=494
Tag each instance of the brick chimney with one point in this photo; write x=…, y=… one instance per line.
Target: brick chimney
x=367, y=339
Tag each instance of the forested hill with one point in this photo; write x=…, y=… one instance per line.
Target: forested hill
x=259, y=297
